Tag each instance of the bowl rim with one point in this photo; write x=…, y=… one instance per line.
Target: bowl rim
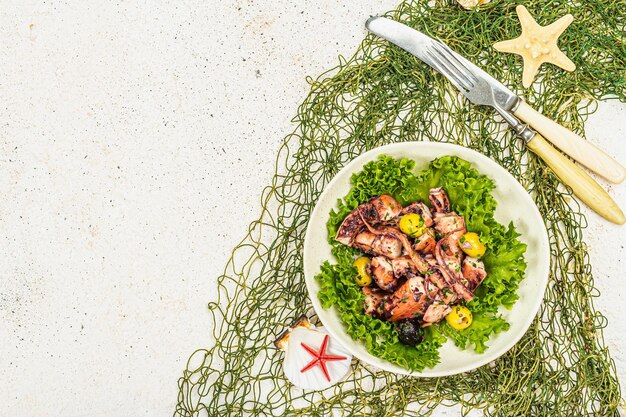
x=447, y=149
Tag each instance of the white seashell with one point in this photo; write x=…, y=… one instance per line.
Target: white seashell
x=296, y=358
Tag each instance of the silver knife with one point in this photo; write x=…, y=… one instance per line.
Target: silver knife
x=481, y=88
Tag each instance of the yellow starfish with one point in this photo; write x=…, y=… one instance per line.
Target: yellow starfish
x=537, y=44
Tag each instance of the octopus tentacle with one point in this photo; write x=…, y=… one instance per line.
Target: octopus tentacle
x=450, y=277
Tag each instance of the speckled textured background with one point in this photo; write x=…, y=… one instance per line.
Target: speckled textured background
x=135, y=139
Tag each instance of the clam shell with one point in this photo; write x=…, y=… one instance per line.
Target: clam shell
x=297, y=358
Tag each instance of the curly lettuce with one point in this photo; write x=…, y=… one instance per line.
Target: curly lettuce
x=470, y=196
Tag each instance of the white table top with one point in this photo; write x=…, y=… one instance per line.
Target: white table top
x=135, y=141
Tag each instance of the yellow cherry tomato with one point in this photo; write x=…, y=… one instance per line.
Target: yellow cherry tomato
x=363, y=278
x=459, y=318
x=412, y=225
x=470, y=243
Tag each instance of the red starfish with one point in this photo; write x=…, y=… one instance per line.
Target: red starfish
x=320, y=357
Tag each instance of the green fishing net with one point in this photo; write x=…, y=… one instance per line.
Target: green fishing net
x=561, y=367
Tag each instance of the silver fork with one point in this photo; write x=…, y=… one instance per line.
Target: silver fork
x=476, y=89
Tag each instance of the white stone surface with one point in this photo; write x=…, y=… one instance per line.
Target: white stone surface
x=135, y=139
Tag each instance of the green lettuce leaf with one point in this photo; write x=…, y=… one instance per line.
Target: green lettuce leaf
x=483, y=326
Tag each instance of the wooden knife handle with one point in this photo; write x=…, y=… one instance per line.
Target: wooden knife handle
x=583, y=186
x=569, y=142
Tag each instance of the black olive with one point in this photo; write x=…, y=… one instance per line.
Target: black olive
x=409, y=332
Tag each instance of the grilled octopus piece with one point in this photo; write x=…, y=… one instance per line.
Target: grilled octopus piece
x=381, y=209
x=378, y=244
x=448, y=254
x=421, y=209
x=350, y=227
x=473, y=271
x=433, y=282
x=453, y=227
x=408, y=301
x=383, y=273
x=439, y=199
x=446, y=223
x=403, y=266
x=378, y=210
x=435, y=313
x=426, y=243
x=446, y=292
x=373, y=301
x=450, y=276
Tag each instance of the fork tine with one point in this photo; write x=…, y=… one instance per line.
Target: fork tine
x=448, y=71
x=461, y=70
x=453, y=74
x=452, y=56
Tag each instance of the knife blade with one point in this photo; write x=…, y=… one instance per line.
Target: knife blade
x=482, y=89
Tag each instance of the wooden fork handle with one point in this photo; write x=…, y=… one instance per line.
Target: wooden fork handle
x=569, y=142
x=583, y=186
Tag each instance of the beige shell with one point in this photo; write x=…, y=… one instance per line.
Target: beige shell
x=470, y=4
x=297, y=358
x=283, y=340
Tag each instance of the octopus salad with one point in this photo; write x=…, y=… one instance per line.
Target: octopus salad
x=419, y=259
x=419, y=264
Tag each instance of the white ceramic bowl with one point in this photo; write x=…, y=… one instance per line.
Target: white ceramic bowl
x=514, y=204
